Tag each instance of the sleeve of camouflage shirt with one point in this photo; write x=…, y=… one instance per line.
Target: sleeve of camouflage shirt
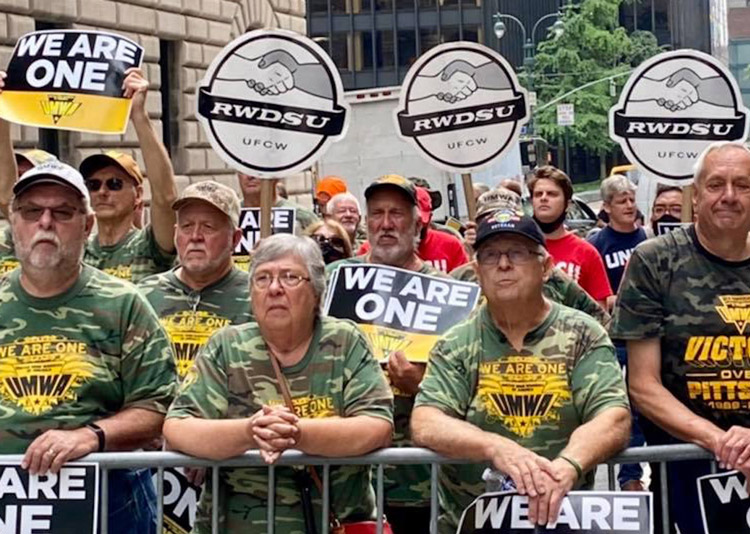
x=447, y=384
x=148, y=369
x=574, y=296
x=204, y=392
x=162, y=258
x=639, y=313
x=366, y=390
x=596, y=379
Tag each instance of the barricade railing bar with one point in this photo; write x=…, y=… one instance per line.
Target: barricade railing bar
x=391, y=456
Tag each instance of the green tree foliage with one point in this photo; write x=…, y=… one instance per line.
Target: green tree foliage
x=592, y=46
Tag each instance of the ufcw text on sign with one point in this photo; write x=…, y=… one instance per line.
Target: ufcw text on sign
x=399, y=309
x=70, y=80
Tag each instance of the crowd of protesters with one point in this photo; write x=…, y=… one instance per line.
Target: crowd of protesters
x=159, y=340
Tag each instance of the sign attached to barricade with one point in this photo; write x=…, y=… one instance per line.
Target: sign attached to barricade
x=672, y=107
x=666, y=227
x=70, y=80
x=180, y=501
x=592, y=512
x=725, y=505
x=461, y=107
x=271, y=103
x=399, y=309
x=53, y=503
x=282, y=222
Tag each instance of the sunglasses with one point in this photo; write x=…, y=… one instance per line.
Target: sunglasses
x=32, y=213
x=335, y=242
x=113, y=184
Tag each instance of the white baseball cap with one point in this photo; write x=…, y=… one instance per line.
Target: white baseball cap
x=52, y=172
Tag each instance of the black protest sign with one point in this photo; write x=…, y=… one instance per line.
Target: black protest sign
x=282, y=222
x=180, y=502
x=593, y=512
x=70, y=80
x=399, y=309
x=54, y=504
x=666, y=227
x=725, y=506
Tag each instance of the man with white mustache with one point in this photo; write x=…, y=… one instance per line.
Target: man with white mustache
x=90, y=336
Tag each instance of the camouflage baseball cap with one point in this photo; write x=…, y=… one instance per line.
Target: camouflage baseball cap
x=34, y=157
x=500, y=198
x=435, y=196
x=119, y=159
x=218, y=195
x=393, y=181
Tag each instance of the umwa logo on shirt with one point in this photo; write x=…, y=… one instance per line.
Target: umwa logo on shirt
x=523, y=391
x=735, y=309
x=39, y=372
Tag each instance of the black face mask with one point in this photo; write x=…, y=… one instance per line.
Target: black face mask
x=331, y=254
x=666, y=218
x=550, y=227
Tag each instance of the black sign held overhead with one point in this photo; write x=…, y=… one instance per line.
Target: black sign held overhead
x=54, y=504
x=725, y=505
x=581, y=512
x=672, y=107
x=399, y=309
x=271, y=103
x=461, y=107
x=282, y=222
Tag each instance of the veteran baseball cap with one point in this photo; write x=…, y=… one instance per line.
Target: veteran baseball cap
x=435, y=196
x=500, y=198
x=52, y=172
x=34, y=157
x=218, y=195
x=119, y=159
x=393, y=181
x=509, y=222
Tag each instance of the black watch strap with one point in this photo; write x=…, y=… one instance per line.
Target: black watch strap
x=96, y=429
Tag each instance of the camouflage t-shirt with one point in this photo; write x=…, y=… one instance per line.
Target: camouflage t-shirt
x=190, y=317
x=8, y=260
x=697, y=304
x=565, y=374
x=559, y=287
x=405, y=485
x=78, y=357
x=135, y=257
x=233, y=378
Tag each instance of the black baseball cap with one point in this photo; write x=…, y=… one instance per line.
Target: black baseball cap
x=509, y=222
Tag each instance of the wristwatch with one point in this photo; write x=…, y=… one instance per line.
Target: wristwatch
x=96, y=429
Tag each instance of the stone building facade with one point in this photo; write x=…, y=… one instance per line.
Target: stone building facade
x=180, y=38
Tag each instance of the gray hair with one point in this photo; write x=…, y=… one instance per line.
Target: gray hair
x=614, y=185
x=280, y=245
x=340, y=197
x=700, y=163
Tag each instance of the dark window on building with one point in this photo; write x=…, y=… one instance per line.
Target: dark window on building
x=340, y=50
x=407, y=48
x=170, y=98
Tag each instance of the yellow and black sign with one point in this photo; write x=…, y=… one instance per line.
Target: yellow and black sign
x=523, y=391
x=189, y=330
x=39, y=372
x=71, y=80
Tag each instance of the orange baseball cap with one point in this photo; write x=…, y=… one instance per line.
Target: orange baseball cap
x=119, y=159
x=331, y=185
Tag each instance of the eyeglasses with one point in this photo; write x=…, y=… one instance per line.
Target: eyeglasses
x=516, y=256
x=287, y=279
x=34, y=213
x=335, y=242
x=113, y=184
x=675, y=209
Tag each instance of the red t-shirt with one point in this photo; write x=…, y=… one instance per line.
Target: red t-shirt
x=581, y=261
x=441, y=250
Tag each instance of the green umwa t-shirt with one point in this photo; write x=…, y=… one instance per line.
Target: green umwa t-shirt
x=697, y=305
x=8, y=260
x=565, y=374
x=233, y=378
x=559, y=287
x=135, y=257
x=81, y=356
x=191, y=316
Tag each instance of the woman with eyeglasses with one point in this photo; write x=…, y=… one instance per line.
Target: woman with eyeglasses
x=233, y=399
x=332, y=239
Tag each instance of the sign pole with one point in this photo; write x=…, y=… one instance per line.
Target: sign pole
x=471, y=204
x=266, y=202
x=687, y=203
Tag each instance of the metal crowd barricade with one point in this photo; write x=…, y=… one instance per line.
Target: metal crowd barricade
x=393, y=456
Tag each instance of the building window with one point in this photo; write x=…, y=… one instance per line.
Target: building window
x=170, y=100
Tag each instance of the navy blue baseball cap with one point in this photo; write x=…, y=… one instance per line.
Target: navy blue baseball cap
x=509, y=222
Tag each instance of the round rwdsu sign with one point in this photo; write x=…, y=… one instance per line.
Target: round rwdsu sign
x=672, y=107
x=271, y=103
x=461, y=106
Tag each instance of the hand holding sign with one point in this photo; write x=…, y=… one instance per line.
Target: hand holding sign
x=135, y=86
x=53, y=448
x=404, y=375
